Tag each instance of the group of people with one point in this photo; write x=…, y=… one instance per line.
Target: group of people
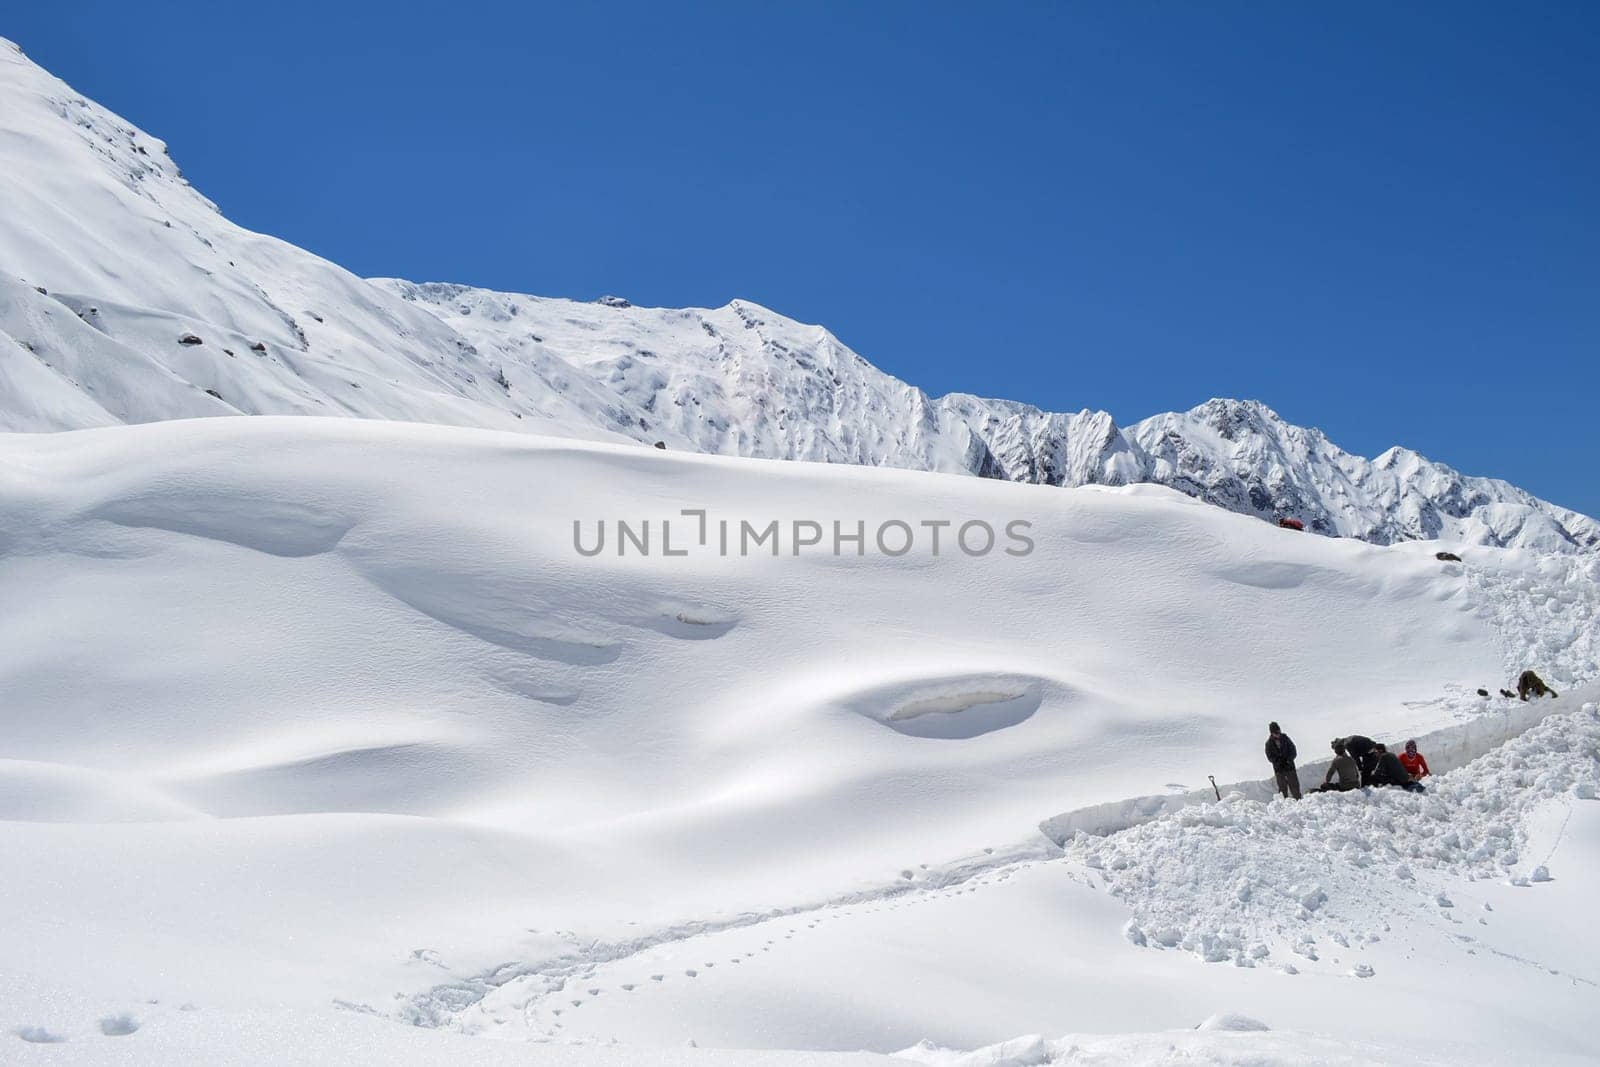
x=1357, y=761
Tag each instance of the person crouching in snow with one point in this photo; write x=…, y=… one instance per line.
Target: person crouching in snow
x=1414, y=762
x=1364, y=750
x=1344, y=769
x=1281, y=753
x=1390, y=771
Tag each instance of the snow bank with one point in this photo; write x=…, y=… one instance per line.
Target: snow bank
x=1249, y=882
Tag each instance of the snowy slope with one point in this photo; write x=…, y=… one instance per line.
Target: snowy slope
x=125, y=297
x=743, y=380
x=111, y=260
x=321, y=716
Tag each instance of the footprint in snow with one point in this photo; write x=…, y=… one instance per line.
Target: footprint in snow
x=658, y=978
x=627, y=987
x=692, y=973
x=39, y=1035
x=118, y=1025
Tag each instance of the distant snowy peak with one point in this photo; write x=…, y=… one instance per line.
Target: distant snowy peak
x=125, y=296
x=1242, y=456
x=744, y=380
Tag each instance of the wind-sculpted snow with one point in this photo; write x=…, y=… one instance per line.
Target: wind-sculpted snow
x=352, y=679
x=127, y=297
x=313, y=725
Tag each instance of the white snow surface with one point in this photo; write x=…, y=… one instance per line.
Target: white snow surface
x=321, y=741
x=126, y=296
x=329, y=720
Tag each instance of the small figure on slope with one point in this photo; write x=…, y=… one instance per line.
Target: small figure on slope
x=1529, y=682
x=1281, y=753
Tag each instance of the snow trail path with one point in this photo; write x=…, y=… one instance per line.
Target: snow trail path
x=1254, y=914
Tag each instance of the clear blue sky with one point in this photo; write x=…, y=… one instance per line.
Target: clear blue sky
x=1380, y=218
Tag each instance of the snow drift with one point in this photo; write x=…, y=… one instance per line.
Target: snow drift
x=341, y=698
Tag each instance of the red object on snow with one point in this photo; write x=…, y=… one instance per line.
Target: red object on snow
x=1291, y=524
x=1416, y=766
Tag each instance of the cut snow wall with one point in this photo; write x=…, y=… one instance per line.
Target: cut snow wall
x=1446, y=749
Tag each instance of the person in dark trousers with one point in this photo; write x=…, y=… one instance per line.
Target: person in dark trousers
x=1364, y=750
x=1343, y=774
x=1281, y=754
x=1390, y=771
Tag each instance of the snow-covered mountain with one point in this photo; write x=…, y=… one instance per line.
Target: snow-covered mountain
x=126, y=297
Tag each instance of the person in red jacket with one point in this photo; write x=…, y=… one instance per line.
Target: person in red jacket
x=1414, y=763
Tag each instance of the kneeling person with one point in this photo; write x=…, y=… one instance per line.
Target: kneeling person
x=1343, y=774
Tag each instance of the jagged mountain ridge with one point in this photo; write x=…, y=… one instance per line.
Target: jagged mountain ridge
x=126, y=296
x=742, y=380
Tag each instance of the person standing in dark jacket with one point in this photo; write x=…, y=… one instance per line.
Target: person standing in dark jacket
x=1390, y=771
x=1281, y=753
x=1364, y=750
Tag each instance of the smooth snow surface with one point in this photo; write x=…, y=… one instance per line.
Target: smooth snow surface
x=325, y=717
x=125, y=297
